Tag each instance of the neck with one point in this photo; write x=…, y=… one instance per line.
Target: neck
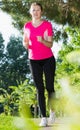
x=36, y=21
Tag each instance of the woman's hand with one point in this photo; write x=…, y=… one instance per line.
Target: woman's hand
x=39, y=38
x=47, y=42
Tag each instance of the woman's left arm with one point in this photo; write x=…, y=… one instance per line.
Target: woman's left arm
x=48, y=42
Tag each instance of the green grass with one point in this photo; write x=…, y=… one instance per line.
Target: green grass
x=16, y=123
x=6, y=123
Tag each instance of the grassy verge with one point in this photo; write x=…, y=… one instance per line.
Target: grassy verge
x=6, y=123
x=16, y=123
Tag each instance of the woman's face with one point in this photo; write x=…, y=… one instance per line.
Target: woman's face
x=35, y=11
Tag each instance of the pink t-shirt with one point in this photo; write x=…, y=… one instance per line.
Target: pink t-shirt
x=38, y=50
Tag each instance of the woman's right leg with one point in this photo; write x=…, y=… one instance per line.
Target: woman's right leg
x=37, y=73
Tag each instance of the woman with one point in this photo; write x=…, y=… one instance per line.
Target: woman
x=37, y=39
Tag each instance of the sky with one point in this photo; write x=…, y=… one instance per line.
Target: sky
x=7, y=29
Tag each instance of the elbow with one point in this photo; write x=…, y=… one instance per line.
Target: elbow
x=25, y=45
x=50, y=45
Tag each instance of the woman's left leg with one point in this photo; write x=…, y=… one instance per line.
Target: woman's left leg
x=49, y=72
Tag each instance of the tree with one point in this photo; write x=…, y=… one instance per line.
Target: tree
x=1, y=46
x=2, y=56
x=15, y=67
x=62, y=13
x=67, y=62
x=58, y=11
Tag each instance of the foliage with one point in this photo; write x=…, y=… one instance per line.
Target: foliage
x=11, y=100
x=67, y=81
x=62, y=12
x=16, y=123
x=1, y=46
x=14, y=64
x=1, y=50
x=68, y=60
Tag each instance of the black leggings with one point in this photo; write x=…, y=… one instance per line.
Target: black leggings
x=38, y=68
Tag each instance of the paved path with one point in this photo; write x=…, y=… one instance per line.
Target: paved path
x=60, y=124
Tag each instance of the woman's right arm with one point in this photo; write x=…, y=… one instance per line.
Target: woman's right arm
x=25, y=41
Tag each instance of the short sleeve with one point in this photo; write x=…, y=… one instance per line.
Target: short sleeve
x=50, y=29
x=26, y=30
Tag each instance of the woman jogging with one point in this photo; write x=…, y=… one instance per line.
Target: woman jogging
x=38, y=34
